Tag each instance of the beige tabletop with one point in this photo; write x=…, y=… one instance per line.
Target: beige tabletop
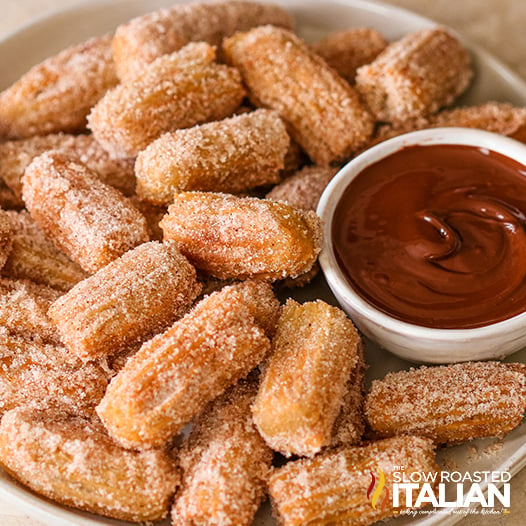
x=496, y=25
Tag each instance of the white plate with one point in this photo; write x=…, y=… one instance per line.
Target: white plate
x=47, y=36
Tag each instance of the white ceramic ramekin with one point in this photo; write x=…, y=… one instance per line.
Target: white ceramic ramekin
x=415, y=342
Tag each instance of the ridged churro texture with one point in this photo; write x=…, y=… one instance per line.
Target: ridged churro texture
x=449, y=404
x=331, y=488
x=239, y=237
x=143, y=39
x=305, y=378
x=175, y=91
x=72, y=460
x=348, y=49
x=33, y=256
x=324, y=113
x=126, y=302
x=233, y=155
x=6, y=238
x=415, y=76
x=88, y=220
x=57, y=94
x=225, y=464
x=175, y=374
x=16, y=156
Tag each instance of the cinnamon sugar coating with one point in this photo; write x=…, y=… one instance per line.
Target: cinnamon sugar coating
x=57, y=94
x=16, y=156
x=34, y=257
x=143, y=39
x=71, y=460
x=415, y=76
x=88, y=220
x=36, y=373
x=305, y=379
x=175, y=374
x=6, y=238
x=175, y=91
x=127, y=301
x=153, y=215
x=449, y=404
x=304, y=188
x=324, y=113
x=331, y=488
x=239, y=237
x=348, y=49
x=225, y=464
x=233, y=155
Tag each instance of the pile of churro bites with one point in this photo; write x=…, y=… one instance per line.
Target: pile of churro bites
x=158, y=185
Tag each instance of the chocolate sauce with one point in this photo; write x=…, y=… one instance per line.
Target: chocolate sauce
x=436, y=236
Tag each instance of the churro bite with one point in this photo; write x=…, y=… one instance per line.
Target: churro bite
x=16, y=156
x=33, y=372
x=33, y=256
x=88, y=220
x=415, y=76
x=233, y=155
x=305, y=378
x=225, y=463
x=153, y=215
x=243, y=237
x=304, y=188
x=71, y=460
x=175, y=374
x=331, y=488
x=348, y=49
x=449, y=404
x=175, y=91
x=127, y=301
x=57, y=94
x=6, y=238
x=323, y=112
x=141, y=40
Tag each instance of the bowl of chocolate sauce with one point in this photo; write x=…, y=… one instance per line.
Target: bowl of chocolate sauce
x=425, y=244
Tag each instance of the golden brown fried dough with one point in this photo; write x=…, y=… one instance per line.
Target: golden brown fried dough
x=35, y=257
x=57, y=94
x=127, y=301
x=305, y=379
x=233, y=155
x=143, y=39
x=16, y=156
x=415, y=76
x=225, y=463
x=331, y=488
x=450, y=404
x=88, y=220
x=348, y=49
x=239, y=237
x=175, y=374
x=175, y=91
x=153, y=215
x=71, y=460
x=324, y=114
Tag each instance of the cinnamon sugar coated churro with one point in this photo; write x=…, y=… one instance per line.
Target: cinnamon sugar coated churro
x=232, y=156
x=234, y=237
x=305, y=378
x=450, y=404
x=33, y=256
x=415, y=76
x=175, y=374
x=143, y=39
x=323, y=112
x=71, y=459
x=348, y=49
x=331, y=488
x=15, y=157
x=88, y=220
x=127, y=301
x=57, y=94
x=175, y=91
x=225, y=464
